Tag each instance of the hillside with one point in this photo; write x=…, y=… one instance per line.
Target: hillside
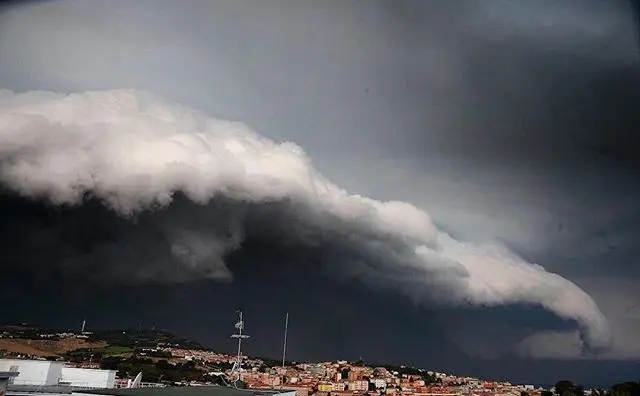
x=46, y=348
x=36, y=341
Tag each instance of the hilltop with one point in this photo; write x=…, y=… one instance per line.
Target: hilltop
x=35, y=341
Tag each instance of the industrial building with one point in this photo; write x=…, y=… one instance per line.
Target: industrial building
x=48, y=373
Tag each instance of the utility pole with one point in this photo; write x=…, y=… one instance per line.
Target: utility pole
x=284, y=348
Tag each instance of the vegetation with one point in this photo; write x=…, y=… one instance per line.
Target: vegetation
x=143, y=339
x=431, y=379
x=568, y=388
x=401, y=369
x=269, y=363
x=115, y=350
x=158, y=371
x=97, y=354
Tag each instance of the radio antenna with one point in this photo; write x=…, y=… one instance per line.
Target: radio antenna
x=240, y=326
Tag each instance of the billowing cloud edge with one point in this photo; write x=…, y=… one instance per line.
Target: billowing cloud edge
x=133, y=151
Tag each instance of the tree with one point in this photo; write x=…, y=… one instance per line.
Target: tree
x=163, y=364
x=626, y=389
x=546, y=393
x=218, y=380
x=430, y=379
x=524, y=393
x=563, y=387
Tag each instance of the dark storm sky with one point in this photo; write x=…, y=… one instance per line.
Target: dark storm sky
x=510, y=122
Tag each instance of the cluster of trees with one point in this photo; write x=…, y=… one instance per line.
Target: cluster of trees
x=269, y=363
x=83, y=355
x=154, y=371
x=568, y=388
x=401, y=369
x=565, y=388
x=431, y=379
x=622, y=389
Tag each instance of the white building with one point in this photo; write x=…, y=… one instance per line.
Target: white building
x=46, y=373
x=33, y=372
x=380, y=383
x=88, y=378
x=359, y=386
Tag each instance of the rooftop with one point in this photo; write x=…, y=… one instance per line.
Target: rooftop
x=184, y=391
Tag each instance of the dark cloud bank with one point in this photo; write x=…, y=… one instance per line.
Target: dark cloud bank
x=121, y=202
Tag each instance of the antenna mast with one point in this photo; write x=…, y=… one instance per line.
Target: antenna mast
x=240, y=326
x=84, y=322
x=284, y=348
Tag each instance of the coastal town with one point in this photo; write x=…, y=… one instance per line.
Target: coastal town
x=348, y=378
x=123, y=359
x=162, y=360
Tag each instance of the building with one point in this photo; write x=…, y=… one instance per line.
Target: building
x=47, y=373
x=187, y=391
x=33, y=372
x=88, y=378
x=359, y=386
x=339, y=387
x=317, y=370
x=5, y=376
x=379, y=383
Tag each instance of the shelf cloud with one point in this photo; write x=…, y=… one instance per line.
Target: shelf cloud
x=204, y=184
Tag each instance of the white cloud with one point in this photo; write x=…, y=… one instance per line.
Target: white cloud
x=133, y=151
x=612, y=295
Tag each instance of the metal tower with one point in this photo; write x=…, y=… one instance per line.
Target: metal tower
x=240, y=326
